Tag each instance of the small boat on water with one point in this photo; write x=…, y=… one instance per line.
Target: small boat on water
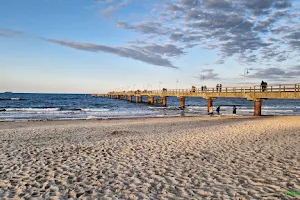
x=7, y=92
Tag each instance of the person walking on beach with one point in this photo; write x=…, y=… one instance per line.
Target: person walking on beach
x=234, y=110
x=210, y=111
x=218, y=110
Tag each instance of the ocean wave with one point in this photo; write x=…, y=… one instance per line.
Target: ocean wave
x=264, y=110
x=93, y=117
x=70, y=109
x=31, y=109
x=53, y=109
x=166, y=108
x=95, y=109
x=11, y=99
x=277, y=110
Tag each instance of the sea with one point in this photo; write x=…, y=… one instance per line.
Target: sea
x=29, y=106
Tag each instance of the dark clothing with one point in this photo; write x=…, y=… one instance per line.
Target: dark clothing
x=218, y=110
x=234, y=110
x=264, y=86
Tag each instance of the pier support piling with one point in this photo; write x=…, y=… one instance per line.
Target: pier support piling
x=257, y=107
x=164, y=101
x=141, y=99
x=136, y=99
x=182, y=102
x=209, y=103
x=130, y=98
x=150, y=99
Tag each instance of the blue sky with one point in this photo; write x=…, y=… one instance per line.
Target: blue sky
x=95, y=46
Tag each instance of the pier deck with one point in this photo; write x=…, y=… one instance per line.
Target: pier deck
x=256, y=93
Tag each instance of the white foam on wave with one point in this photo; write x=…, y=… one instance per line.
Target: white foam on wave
x=166, y=108
x=277, y=110
x=12, y=99
x=265, y=110
x=95, y=109
x=92, y=117
x=32, y=109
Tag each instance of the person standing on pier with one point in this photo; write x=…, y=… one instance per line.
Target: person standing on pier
x=220, y=88
x=217, y=87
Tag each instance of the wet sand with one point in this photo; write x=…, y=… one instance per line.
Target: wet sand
x=160, y=158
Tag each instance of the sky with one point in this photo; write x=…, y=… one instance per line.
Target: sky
x=96, y=46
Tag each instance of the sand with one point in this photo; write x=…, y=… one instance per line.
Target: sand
x=171, y=158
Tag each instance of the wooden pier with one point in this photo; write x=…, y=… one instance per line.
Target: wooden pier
x=255, y=93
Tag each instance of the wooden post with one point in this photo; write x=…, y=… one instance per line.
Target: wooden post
x=164, y=101
x=209, y=103
x=257, y=107
x=182, y=102
x=141, y=99
x=151, y=99
x=130, y=98
x=136, y=99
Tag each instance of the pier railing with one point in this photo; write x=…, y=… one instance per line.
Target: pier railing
x=227, y=89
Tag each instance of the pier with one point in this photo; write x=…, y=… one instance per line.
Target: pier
x=257, y=94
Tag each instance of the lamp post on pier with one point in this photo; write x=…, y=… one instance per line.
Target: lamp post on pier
x=246, y=71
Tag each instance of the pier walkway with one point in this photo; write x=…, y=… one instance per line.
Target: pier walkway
x=255, y=93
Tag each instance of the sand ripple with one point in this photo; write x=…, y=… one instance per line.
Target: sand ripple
x=181, y=158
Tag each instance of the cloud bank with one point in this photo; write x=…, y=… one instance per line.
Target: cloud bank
x=252, y=31
x=255, y=31
x=151, y=54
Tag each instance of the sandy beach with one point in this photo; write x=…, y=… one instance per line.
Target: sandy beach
x=159, y=158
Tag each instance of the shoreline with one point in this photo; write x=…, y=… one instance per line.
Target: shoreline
x=133, y=119
x=147, y=117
